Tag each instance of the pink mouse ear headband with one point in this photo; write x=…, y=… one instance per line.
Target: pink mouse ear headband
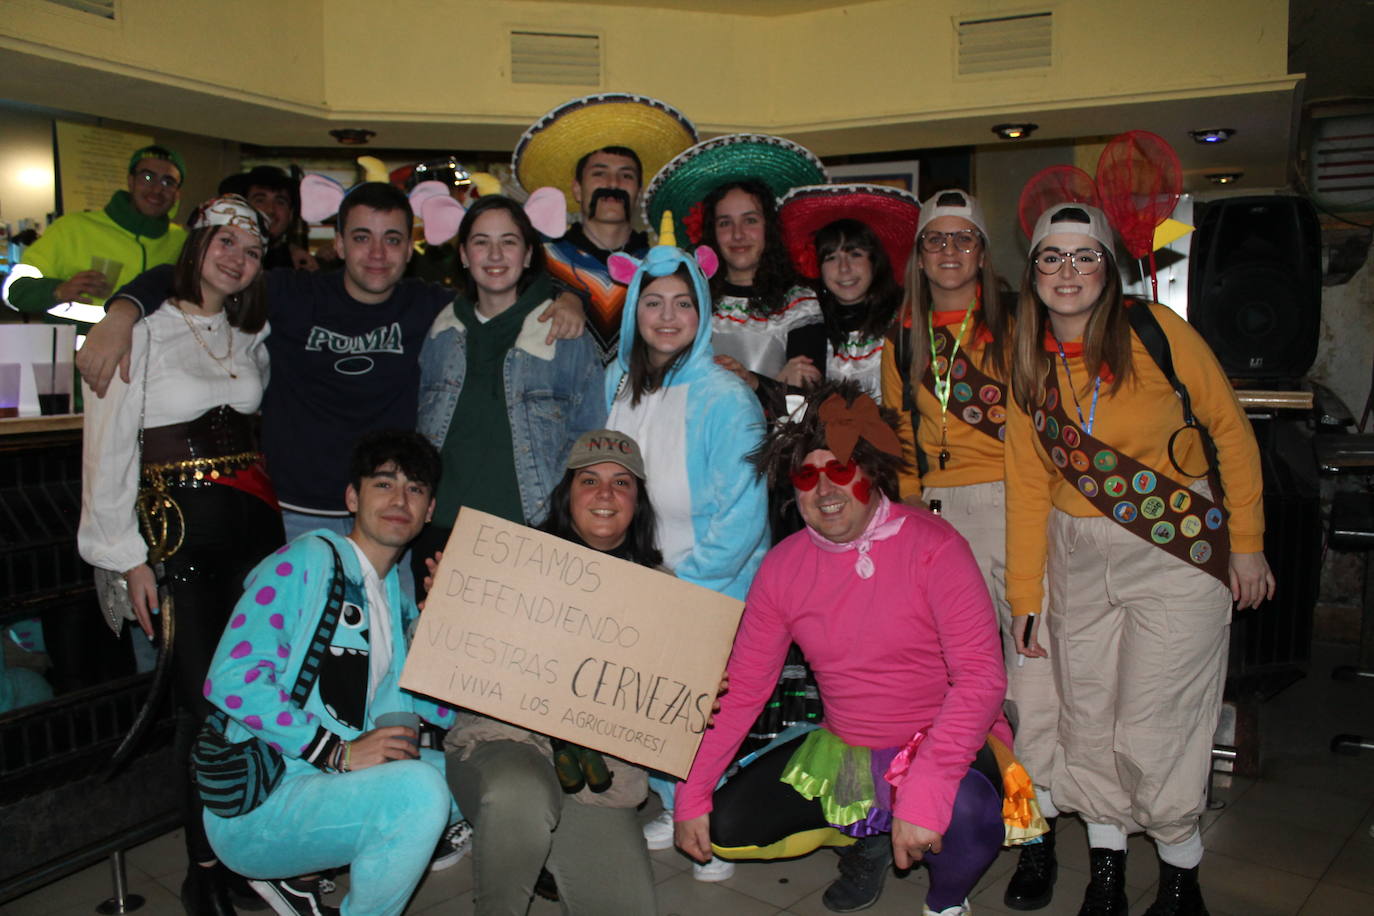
x=547, y=209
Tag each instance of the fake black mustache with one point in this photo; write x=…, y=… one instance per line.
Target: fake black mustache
x=619, y=194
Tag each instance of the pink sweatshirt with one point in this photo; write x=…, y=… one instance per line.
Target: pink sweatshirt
x=915, y=647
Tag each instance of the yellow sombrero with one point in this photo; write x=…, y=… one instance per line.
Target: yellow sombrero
x=549, y=150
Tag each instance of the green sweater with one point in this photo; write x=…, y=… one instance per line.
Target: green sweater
x=478, y=453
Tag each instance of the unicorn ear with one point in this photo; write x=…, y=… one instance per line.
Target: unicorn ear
x=706, y=257
x=442, y=217
x=424, y=191
x=547, y=209
x=622, y=267
x=320, y=197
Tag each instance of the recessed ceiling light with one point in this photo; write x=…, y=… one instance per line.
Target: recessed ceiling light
x=1225, y=177
x=352, y=136
x=1213, y=134
x=1015, y=131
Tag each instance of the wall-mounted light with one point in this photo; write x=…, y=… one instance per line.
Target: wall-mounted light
x=1225, y=177
x=1213, y=134
x=352, y=136
x=1015, y=131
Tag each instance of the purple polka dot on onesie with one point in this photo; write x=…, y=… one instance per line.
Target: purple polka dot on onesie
x=275, y=746
x=253, y=721
x=206, y=689
x=305, y=576
x=284, y=569
x=241, y=649
x=283, y=651
x=283, y=718
x=251, y=675
x=265, y=595
x=233, y=702
x=238, y=621
x=283, y=548
x=444, y=712
x=277, y=621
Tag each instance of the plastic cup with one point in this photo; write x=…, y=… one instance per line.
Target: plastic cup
x=406, y=719
x=110, y=268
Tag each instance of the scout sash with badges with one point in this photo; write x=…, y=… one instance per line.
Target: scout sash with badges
x=984, y=398
x=1148, y=504
x=980, y=400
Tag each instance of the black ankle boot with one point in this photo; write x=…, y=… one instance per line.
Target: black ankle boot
x=1179, y=893
x=1032, y=886
x=1106, y=894
x=863, y=867
x=204, y=892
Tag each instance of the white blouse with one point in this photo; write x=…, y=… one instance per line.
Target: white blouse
x=183, y=382
x=760, y=343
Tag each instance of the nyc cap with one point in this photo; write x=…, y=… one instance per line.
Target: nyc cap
x=607, y=445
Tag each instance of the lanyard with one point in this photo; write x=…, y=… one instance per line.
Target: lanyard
x=1097, y=385
x=942, y=385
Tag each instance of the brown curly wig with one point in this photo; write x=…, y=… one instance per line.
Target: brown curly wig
x=789, y=442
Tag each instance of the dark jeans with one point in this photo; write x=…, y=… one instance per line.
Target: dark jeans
x=227, y=532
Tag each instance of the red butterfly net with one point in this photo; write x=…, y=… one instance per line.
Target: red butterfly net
x=1058, y=184
x=1139, y=180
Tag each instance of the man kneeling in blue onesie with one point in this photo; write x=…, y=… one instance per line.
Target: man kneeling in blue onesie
x=350, y=793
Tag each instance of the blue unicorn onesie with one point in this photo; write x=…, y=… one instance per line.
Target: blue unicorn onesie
x=384, y=820
x=695, y=430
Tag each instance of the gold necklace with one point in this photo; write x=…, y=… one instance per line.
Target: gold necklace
x=226, y=361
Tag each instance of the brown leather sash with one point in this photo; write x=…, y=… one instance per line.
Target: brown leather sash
x=975, y=397
x=1148, y=504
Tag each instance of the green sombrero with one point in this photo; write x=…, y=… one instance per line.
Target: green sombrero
x=697, y=171
x=549, y=150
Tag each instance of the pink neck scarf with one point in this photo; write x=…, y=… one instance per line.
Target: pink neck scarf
x=881, y=527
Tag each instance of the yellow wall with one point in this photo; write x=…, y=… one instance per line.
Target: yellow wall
x=445, y=62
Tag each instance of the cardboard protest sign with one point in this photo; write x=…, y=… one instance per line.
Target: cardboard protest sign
x=565, y=640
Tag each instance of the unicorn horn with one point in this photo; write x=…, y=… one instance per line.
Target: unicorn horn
x=665, y=230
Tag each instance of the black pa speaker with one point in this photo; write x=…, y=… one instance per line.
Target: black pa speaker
x=1254, y=288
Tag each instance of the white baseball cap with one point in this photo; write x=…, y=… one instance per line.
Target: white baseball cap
x=1073, y=217
x=952, y=203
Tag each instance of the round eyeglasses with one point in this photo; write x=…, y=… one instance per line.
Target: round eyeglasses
x=167, y=181
x=1084, y=261
x=965, y=241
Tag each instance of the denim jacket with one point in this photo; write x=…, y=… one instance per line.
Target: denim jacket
x=553, y=395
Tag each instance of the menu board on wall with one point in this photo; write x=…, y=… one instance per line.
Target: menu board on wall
x=93, y=163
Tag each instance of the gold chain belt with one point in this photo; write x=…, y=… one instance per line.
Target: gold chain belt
x=159, y=516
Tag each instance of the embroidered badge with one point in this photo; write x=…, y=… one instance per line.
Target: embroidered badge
x=1162, y=532
x=1200, y=552
x=1087, y=486
x=1180, y=500
x=1115, y=485
x=1152, y=507
x=1144, y=482
x=1105, y=460
x=1124, y=512
x=1190, y=526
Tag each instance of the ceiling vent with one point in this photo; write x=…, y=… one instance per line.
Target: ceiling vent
x=1342, y=162
x=1022, y=42
x=555, y=59
x=104, y=9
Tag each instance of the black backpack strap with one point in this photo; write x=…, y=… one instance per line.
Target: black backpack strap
x=1146, y=327
x=324, y=632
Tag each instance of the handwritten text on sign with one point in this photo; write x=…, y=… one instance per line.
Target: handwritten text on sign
x=565, y=640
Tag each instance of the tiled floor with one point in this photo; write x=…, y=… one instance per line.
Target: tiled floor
x=1295, y=841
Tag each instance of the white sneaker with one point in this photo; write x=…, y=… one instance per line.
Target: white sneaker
x=715, y=870
x=959, y=909
x=658, y=833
